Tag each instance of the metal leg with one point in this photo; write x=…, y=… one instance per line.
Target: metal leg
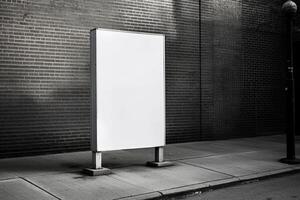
x=97, y=168
x=159, y=154
x=159, y=158
x=97, y=160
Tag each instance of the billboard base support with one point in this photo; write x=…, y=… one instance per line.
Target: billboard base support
x=97, y=172
x=159, y=159
x=97, y=168
x=159, y=164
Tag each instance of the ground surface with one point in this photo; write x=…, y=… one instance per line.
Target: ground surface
x=280, y=188
x=197, y=165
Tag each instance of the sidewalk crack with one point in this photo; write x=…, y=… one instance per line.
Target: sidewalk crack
x=34, y=184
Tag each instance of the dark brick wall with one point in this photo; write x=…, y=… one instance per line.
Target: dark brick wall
x=242, y=68
x=297, y=65
x=263, y=67
x=44, y=68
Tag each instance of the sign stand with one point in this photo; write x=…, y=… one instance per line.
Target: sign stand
x=159, y=159
x=124, y=114
x=97, y=168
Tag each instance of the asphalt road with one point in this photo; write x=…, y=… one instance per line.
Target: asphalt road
x=279, y=188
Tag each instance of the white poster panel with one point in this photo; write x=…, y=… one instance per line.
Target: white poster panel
x=128, y=90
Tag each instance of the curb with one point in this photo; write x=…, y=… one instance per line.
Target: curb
x=211, y=185
x=151, y=195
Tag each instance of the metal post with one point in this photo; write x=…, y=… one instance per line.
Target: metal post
x=290, y=136
x=290, y=9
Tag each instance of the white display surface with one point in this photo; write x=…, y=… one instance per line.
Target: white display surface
x=128, y=90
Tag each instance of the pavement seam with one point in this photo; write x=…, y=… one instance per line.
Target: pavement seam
x=191, y=157
x=224, y=154
x=32, y=183
x=7, y=179
x=231, y=176
x=213, y=155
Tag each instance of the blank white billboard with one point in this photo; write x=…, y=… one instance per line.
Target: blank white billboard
x=128, y=90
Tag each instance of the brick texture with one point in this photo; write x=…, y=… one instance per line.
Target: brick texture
x=242, y=68
x=44, y=68
x=297, y=65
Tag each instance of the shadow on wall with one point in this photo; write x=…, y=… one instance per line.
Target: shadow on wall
x=20, y=122
x=242, y=78
x=262, y=70
x=36, y=120
x=183, y=74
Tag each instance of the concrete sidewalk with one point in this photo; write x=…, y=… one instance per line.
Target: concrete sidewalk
x=198, y=165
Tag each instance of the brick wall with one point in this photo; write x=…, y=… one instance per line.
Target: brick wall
x=242, y=68
x=44, y=68
x=297, y=64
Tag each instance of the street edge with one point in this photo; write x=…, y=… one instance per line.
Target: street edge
x=211, y=185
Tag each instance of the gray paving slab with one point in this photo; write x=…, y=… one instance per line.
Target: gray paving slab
x=261, y=161
x=225, y=164
x=72, y=186
x=6, y=175
x=48, y=164
x=239, y=164
x=167, y=177
x=179, y=152
x=270, y=138
x=264, y=155
x=18, y=189
x=258, y=144
x=219, y=147
x=45, y=164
